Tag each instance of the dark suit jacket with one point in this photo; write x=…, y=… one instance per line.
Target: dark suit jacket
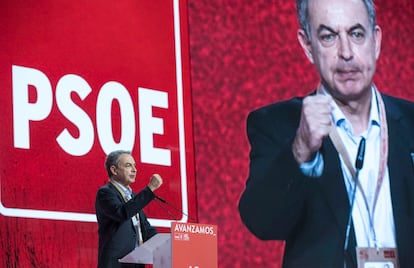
x=280, y=203
x=117, y=234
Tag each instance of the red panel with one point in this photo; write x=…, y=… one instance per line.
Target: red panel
x=244, y=54
x=80, y=68
x=193, y=245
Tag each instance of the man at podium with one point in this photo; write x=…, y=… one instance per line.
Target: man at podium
x=122, y=223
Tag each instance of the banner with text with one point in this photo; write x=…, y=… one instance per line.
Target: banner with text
x=81, y=79
x=194, y=245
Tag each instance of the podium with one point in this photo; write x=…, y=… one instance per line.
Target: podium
x=156, y=251
x=189, y=245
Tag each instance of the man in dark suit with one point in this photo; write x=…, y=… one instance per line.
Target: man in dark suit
x=122, y=223
x=300, y=186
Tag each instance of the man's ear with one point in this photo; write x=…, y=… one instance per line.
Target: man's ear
x=305, y=44
x=113, y=170
x=378, y=38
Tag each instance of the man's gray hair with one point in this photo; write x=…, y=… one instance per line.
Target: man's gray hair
x=302, y=9
x=112, y=159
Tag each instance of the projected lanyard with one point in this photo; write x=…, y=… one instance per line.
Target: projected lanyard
x=366, y=253
x=125, y=197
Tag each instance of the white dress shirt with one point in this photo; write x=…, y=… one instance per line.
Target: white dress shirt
x=368, y=226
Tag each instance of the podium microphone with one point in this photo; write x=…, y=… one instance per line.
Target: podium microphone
x=359, y=162
x=162, y=200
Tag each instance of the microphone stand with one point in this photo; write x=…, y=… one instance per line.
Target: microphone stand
x=359, y=162
x=162, y=200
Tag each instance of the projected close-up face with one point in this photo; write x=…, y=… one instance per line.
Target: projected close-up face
x=343, y=45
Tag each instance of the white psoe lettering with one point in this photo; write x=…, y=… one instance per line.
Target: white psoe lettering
x=83, y=144
x=149, y=125
x=110, y=92
x=25, y=112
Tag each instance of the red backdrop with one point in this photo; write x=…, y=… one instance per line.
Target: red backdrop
x=244, y=54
